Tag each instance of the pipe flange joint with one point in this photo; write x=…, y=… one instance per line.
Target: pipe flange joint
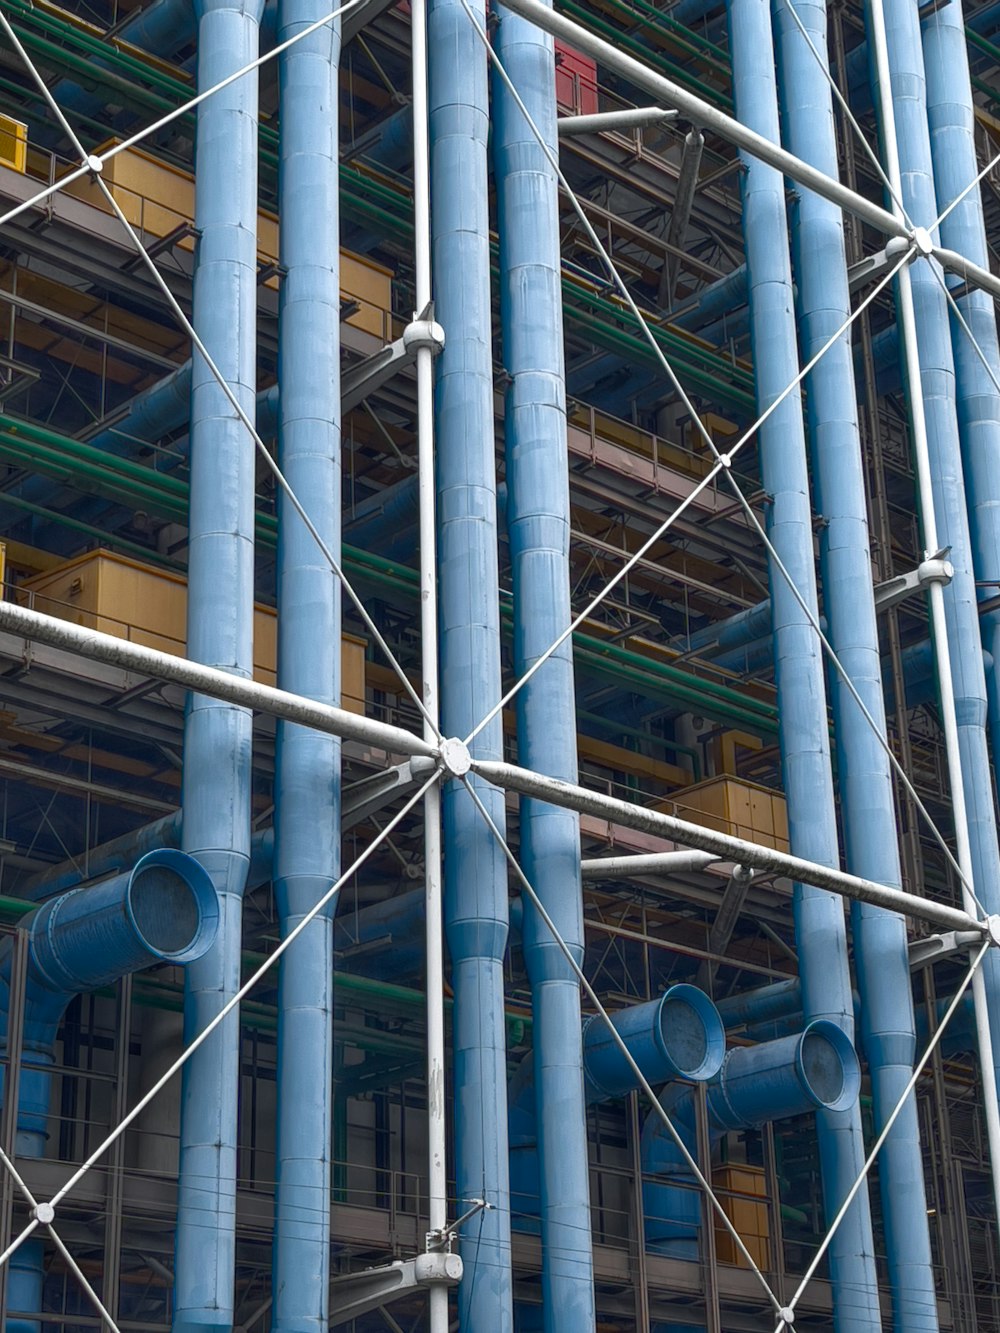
x=920, y=239
x=993, y=929
x=421, y=333
x=455, y=758
x=44, y=1214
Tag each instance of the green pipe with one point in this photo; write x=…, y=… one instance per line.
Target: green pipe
x=75, y=525
x=619, y=728
x=167, y=497
x=644, y=52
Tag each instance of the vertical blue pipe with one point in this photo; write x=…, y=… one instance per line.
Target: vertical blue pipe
x=865, y=788
x=217, y=736
x=469, y=617
x=937, y=372
x=951, y=124
x=307, y=763
x=805, y=746
x=538, y=523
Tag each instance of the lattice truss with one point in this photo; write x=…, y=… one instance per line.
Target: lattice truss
x=453, y=757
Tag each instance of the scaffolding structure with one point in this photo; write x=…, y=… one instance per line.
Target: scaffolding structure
x=500, y=520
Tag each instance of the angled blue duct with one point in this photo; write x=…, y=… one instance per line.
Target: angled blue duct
x=307, y=763
x=937, y=370
x=475, y=887
x=871, y=836
x=799, y=669
x=538, y=527
x=718, y=298
x=164, y=910
x=215, y=790
x=677, y=1035
x=951, y=122
x=816, y=1069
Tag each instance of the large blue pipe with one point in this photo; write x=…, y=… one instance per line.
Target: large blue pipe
x=307, y=763
x=815, y=1069
x=951, y=122
x=164, y=910
x=475, y=888
x=865, y=782
x=217, y=736
x=937, y=373
x=799, y=673
x=538, y=527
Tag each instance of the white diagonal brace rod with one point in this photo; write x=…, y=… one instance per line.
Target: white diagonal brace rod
x=726, y=848
x=670, y=94
x=98, y=647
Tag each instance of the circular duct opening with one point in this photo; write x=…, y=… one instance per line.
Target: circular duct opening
x=691, y=1033
x=829, y=1066
x=173, y=905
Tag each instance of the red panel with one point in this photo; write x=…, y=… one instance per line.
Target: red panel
x=576, y=81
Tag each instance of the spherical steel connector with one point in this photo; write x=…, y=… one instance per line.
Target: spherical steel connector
x=424, y=333
x=44, y=1213
x=455, y=758
x=921, y=238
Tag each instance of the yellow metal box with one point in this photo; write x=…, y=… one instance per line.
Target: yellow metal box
x=134, y=601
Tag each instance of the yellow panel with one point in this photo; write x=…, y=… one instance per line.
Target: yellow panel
x=13, y=143
x=131, y=600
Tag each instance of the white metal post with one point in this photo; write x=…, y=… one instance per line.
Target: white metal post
x=437, y=1169
x=935, y=589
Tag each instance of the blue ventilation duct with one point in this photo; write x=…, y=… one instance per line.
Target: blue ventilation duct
x=937, y=370
x=215, y=788
x=799, y=673
x=307, y=763
x=677, y=1035
x=475, y=888
x=951, y=122
x=816, y=1069
x=163, y=911
x=871, y=836
x=538, y=528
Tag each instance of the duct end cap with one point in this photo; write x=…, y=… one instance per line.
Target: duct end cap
x=455, y=758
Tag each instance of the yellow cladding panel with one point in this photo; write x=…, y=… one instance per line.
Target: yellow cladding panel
x=13, y=143
x=743, y=1195
x=742, y=809
x=158, y=198
x=119, y=596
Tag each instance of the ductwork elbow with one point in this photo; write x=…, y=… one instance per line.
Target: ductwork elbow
x=812, y=1070
x=165, y=910
x=678, y=1035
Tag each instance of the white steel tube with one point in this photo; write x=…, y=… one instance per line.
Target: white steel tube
x=98, y=647
x=437, y=1173
x=655, y=863
x=629, y=118
x=724, y=847
x=709, y=117
x=935, y=590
